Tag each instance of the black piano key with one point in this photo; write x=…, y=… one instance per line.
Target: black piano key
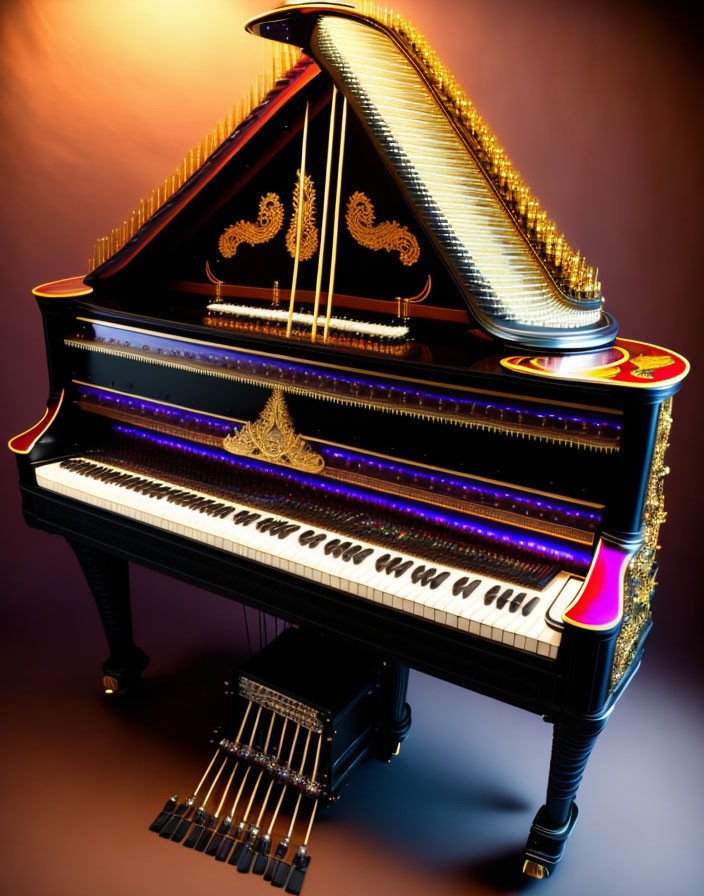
x=516, y=602
x=427, y=576
x=362, y=556
x=491, y=594
x=459, y=585
x=504, y=598
x=164, y=815
x=417, y=573
x=298, y=873
x=468, y=589
x=437, y=580
x=530, y=606
x=381, y=561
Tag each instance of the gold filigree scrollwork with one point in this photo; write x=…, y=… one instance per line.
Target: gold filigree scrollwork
x=309, y=229
x=389, y=235
x=254, y=233
x=645, y=364
x=640, y=575
x=272, y=438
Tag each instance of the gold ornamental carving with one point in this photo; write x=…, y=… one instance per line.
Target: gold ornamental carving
x=389, y=235
x=640, y=576
x=645, y=364
x=309, y=230
x=254, y=233
x=272, y=438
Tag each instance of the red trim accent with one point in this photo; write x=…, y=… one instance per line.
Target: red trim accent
x=202, y=177
x=599, y=605
x=63, y=289
x=25, y=441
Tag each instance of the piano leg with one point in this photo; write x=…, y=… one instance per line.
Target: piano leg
x=398, y=712
x=108, y=580
x=573, y=740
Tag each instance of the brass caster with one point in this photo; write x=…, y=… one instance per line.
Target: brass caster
x=110, y=684
x=533, y=869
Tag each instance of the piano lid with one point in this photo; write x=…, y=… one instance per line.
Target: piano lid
x=435, y=179
x=521, y=281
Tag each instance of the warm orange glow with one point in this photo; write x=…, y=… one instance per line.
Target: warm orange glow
x=106, y=100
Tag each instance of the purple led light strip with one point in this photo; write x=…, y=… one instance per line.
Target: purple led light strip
x=411, y=508
x=143, y=404
x=465, y=487
x=369, y=463
x=157, y=343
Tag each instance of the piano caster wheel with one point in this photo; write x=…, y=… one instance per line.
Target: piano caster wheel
x=535, y=870
x=110, y=684
x=127, y=677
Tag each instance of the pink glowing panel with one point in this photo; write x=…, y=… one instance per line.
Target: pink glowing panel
x=599, y=605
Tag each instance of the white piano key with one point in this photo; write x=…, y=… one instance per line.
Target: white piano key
x=437, y=605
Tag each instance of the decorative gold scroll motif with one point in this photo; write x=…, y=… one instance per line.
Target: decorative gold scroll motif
x=389, y=235
x=645, y=364
x=272, y=438
x=309, y=230
x=254, y=233
x=640, y=575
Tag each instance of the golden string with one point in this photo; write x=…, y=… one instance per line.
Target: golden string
x=299, y=223
x=323, y=225
x=336, y=222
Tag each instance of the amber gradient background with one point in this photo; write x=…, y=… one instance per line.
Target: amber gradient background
x=599, y=104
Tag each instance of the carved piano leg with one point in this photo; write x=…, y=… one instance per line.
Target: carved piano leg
x=108, y=580
x=398, y=713
x=572, y=743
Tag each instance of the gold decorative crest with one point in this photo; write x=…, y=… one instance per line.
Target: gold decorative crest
x=389, y=235
x=265, y=228
x=272, y=438
x=645, y=364
x=309, y=230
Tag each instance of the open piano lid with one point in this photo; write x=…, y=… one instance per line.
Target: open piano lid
x=494, y=259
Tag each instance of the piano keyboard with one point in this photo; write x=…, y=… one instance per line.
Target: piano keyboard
x=525, y=619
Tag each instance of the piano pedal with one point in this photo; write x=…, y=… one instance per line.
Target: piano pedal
x=175, y=821
x=224, y=848
x=181, y=829
x=301, y=862
x=284, y=727
x=244, y=863
x=262, y=850
x=164, y=815
x=204, y=838
x=279, y=854
x=280, y=873
x=216, y=841
x=196, y=831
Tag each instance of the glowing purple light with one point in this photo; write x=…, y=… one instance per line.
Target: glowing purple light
x=412, y=508
x=270, y=367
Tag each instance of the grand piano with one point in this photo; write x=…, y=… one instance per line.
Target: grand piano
x=342, y=368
